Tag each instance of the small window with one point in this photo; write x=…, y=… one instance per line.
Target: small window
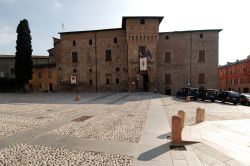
x=201, y=56
x=117, y=81
x=60, y=82
x=107, y=81
x=90, y=42
x=201, y=35
x=12, y=70
x=74, y=70
x=90, y=82
x=142, y=21
x=108, y=55
x=168, y=57
x=59, y=68
x=201, y=79
x=115, y=40
x=74, y=57
x=168, y=79
x=90, y=70
x=166, y=37
x=74, y=43
x=117, y=69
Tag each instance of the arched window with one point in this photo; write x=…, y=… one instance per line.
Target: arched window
x=90, y=41
x=74, y=43
x=115, y=40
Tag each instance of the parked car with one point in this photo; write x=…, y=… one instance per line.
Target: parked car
x=208, y=94
x=245, y=99
x=229, y=96
x=184, y=92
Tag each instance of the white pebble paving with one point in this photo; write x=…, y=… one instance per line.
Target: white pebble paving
x=26, y=154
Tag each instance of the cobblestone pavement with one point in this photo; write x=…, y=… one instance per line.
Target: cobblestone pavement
x=103, y=129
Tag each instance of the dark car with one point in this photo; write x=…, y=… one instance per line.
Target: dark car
x=229, y=96
x=184, y=92
x=245, y=99
x=208, y=94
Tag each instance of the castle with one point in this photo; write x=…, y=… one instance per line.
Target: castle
x=136, y=57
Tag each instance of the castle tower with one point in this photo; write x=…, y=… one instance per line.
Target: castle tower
x=142, y=34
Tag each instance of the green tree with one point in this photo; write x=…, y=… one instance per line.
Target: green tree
x=23, y=58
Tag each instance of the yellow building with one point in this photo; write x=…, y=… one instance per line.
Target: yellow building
x=44, y=78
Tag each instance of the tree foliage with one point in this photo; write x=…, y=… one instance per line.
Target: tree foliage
x=23, y=58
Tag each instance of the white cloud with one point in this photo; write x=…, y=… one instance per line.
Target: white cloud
x=6, y=35
x=56, y=4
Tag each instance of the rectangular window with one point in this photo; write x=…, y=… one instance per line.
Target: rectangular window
x=168, y=79
x=201, y=79
x=117, y=69
x=108, y=55
x=201, y=56
x=90, y=82
x=12, y=70
x=74, y=57
x=117, y=81
x=168, y=57
x=142, y=21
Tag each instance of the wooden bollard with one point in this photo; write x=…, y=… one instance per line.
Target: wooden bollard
x=176, y=129
x=200, y=115
x=77, y=98
x=182, y=114
x=188, y=99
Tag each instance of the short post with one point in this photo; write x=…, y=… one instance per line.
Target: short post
x=176, y=129
x=188, y=99
x=182, y=115
x=200, y=115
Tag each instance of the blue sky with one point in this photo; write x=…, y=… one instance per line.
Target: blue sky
x=46, y=16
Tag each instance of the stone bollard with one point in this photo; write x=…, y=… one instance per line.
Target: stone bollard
x=200, y=115
x=182, y=114
x=188, y=99
x=176, y=129
x=77, y=98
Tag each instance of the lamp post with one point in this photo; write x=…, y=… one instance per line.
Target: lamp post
x=74, y=80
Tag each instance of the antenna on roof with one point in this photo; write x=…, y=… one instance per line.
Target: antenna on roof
x=62, y=26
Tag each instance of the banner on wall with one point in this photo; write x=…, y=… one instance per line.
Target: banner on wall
x=143, y=64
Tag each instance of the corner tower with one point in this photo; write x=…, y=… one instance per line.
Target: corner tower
x=142, y=34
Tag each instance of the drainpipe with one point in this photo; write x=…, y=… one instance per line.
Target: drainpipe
x=95, y=65
x=190, y=57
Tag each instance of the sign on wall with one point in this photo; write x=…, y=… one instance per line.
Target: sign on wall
x=73, y=79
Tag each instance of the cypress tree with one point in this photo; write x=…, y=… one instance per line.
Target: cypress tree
x=23, y=58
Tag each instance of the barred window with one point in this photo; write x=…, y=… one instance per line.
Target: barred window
x=108, y=55
x=168, y=57
x=74, y=57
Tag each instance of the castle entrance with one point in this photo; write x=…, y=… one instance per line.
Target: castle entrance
x=142, y=83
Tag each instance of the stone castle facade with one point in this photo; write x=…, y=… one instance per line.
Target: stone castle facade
x=109, y=59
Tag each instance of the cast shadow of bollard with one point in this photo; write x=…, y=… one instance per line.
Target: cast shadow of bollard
x=155, y=152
